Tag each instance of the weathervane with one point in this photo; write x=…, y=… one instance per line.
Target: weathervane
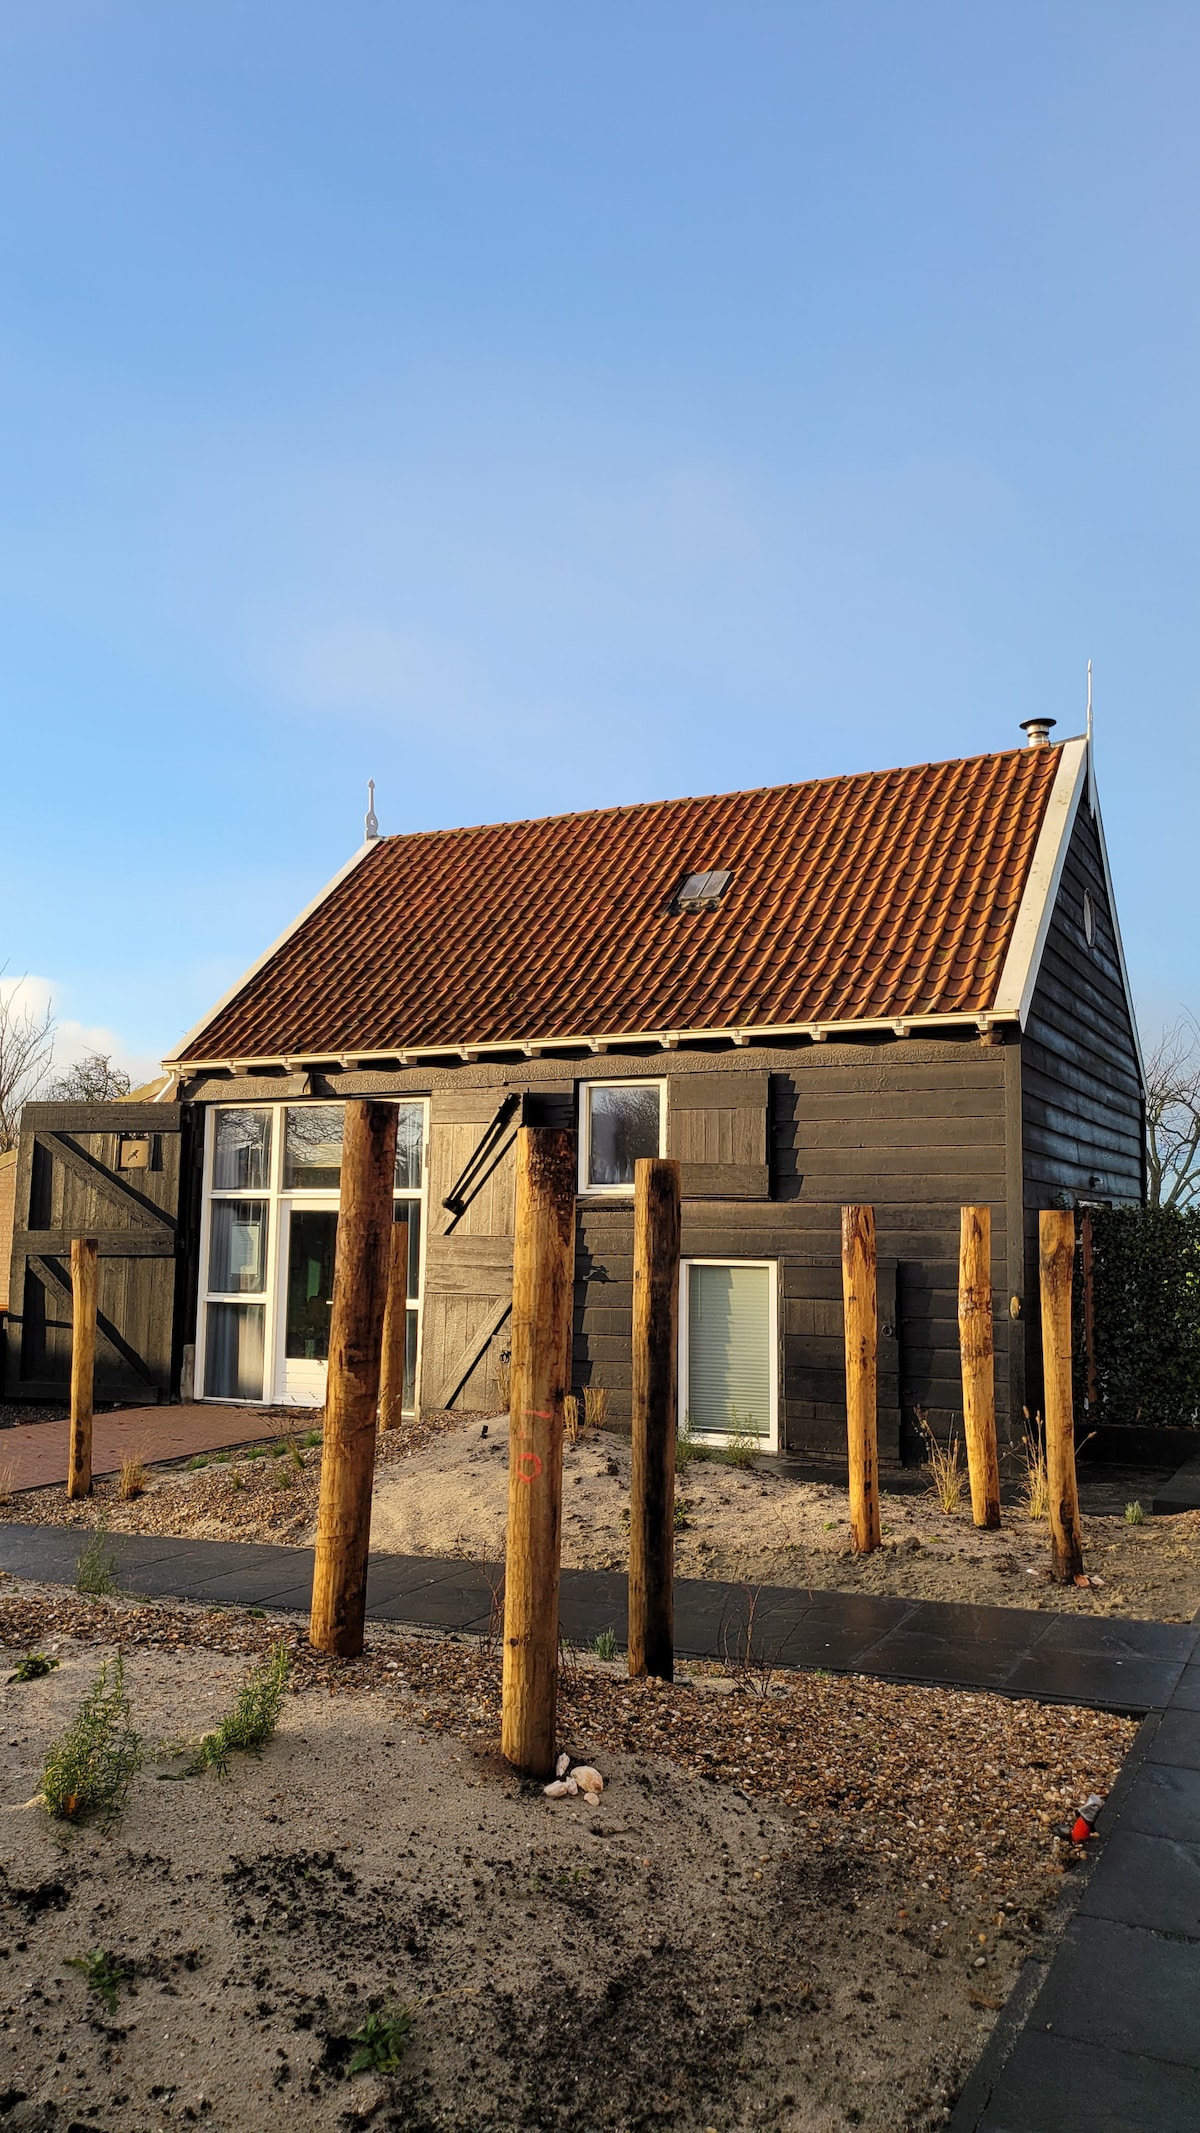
x=371, y=820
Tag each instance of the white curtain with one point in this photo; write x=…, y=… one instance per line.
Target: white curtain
x=729, y=1349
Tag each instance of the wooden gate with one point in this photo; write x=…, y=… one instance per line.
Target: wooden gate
x=111, y=1171
x=467, y=1295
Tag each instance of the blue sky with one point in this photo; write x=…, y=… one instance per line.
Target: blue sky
x=537, y=407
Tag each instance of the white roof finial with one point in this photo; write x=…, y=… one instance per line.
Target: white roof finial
x=1089, y=717
x=371, y=820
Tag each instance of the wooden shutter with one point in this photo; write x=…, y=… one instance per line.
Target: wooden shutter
x=110, y=1171
x=717, y=1131
x=467, y=1295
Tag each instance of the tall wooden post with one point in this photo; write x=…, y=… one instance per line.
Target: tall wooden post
x=84, y=1273
x=1056, y=1260
x=860, y=1296
x=540, y=1378
x=978, y=1361
x=655, y=1366
x=360, y=1272
x=395, y=1330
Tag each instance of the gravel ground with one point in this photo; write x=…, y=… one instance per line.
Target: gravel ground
x=441, y=1489
x=795, y=1910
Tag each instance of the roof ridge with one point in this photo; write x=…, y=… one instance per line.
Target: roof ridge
x=703, y=799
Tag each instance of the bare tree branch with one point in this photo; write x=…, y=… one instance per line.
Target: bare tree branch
x=1173, y=1117
x=26, y=1049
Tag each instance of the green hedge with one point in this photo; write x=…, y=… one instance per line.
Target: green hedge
x=1146, y=1309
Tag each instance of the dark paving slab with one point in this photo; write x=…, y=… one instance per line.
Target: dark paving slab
x=1117, y=1638
x=1127, y=1685
x=1186, y=1694
x=1022, y=1652
x=1087, y=1994
x=1165, y=1802
x=1177, y=1739
x=921, y=1655
x=1182, y=1491
x=1147, y=1881
x=1061, y=2085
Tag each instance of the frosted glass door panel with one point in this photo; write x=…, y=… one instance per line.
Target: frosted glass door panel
x=729, y=1361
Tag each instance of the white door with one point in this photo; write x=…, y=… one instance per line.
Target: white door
x=306, y=1252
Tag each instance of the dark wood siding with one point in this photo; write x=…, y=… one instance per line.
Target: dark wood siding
x=915, y=1126
x=1082, y=1104
x=72, y=1182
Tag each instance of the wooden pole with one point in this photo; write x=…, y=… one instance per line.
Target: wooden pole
x=543, y=1278
x=84, y=1273
x=395, y=1330
x=1057, y=1259
x=655, y=1365
x=978, y=1362
x=360, y=1274
x=860, y=1295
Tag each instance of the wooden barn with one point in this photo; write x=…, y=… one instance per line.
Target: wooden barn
x=902, y=987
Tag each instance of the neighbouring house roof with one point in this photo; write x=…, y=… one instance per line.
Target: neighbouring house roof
x=921, y=893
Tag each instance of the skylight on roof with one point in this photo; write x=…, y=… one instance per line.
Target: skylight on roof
x=703, y=892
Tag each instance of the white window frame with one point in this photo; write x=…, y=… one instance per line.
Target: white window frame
x=623, y=1081
x=769, y=1443
x=278, y=1197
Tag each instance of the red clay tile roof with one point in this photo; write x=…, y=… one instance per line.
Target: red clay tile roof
x=886, y=894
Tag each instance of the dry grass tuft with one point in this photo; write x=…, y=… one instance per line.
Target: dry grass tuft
x=595, y=1406
x=133, y=1478
x=571, y=1417
x=947, y=1474
x=1035, y=1484
x=6, y=1481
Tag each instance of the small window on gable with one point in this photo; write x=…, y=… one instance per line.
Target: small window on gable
x=1089, y=919
x=621, y=1121
x=703, y=892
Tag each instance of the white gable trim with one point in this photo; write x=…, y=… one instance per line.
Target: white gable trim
x=1115, y=923
x=199, y=1027
x=1023, y=961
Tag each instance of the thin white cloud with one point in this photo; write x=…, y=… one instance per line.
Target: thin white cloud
x=73, y=1040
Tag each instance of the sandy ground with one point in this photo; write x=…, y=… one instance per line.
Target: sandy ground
x=441, y=1490
x=688, y=1955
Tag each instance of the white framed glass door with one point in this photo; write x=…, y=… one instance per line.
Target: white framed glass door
x=267, y=1241
x=729, y=1350
x=308, y=1237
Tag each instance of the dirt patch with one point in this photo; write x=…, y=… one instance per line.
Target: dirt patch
x=441, y=1489
x=688, y=1955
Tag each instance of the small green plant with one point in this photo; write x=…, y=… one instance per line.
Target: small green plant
x=285, y=1478
x=1134, y=1515
x=688, y=1447
x=310, y=1439
x=103, y=1973
x=381, y=2041
x=93, y=1765
x=252, y=1720
x=683, y=1504
x=236, y=1479
x=605, y=1645
x=200, y=1460
x=743, y=1443
x=221, y=1458
x=256, y=1451
x=96, y=1569
x=33, y=1666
